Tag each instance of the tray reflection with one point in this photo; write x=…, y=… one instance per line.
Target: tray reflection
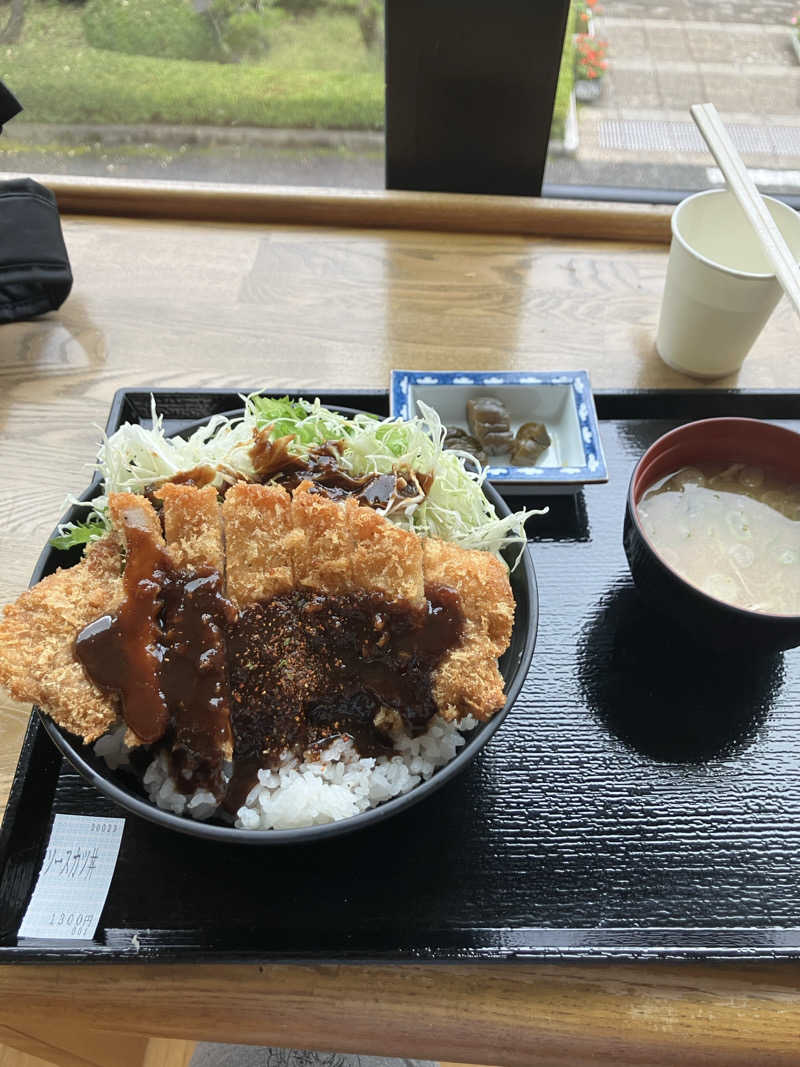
x=566, y=518
x=664, y=696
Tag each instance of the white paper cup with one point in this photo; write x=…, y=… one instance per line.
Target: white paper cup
x=720, y=288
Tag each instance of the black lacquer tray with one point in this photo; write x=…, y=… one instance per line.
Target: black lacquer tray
x=641, y=800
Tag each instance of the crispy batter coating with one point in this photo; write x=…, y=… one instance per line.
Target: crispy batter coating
x=258, y=542
x=323, y=554
x=192, y=526
x=129, y=510
x=275, y=542
x=386, y=559
x=267, y=542
x=344, y=548
x=37, y=635
x=467, y=680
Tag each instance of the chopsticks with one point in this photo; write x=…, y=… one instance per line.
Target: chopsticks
x=743, y=188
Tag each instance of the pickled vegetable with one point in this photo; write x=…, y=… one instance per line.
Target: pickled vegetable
x=490, y=423
x=459, y=439
x=531, y=441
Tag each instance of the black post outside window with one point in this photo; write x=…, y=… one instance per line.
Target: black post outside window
x=470, y=87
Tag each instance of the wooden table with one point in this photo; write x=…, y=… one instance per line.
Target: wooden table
x=284, y=305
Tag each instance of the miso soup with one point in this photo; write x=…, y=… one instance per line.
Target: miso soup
x=732, y=530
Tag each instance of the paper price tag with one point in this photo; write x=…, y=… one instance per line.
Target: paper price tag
x=73, y=883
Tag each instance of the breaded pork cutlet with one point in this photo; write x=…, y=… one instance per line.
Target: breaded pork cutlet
x=38, y=632
x=468, y=681
x=346, y=548
x=132, y=515
x=264, y=543
x=322, y=554
x=276, y=543
x=192, y=526
x=192, y=521
x=259, y=534
x=386, y=559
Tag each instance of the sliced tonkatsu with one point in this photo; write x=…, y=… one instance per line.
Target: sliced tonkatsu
x=229, y=631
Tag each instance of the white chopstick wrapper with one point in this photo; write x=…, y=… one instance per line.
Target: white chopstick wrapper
x=743, y=188
x=73, y=882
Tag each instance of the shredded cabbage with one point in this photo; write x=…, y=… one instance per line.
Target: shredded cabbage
x=454, y=507
x=72, y=534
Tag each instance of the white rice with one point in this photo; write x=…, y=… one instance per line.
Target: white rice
x=336, y=785
x=161, y=789
x=112, y=747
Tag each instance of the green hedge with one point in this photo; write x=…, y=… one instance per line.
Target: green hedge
x=566, y=80
x=140, y=90
x=59, y=78
x=171, y=29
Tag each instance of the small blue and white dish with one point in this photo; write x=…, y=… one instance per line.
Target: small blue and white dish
x=562, y=400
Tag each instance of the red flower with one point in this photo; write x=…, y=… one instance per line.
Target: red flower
x=591, y=56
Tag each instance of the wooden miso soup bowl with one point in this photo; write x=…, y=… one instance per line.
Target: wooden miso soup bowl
x=711, y=621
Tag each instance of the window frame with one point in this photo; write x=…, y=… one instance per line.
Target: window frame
x=467, y=109
x=390, y=209
x=611, y=194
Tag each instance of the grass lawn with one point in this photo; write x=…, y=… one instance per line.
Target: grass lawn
x=323, y=42
x=59, y=78
x=317, y=75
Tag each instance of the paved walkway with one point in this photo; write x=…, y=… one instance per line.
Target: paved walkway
x=664, y=58
x=761, y=12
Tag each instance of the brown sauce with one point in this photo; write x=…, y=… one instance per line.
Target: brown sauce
x=164, y=654
x=274, y=463
x=194, y=677
x=305, y=668
x=123, y=653
x=197, y=478
x=272, y=457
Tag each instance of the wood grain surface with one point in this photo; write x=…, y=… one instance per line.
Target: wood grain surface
x=548, y=1015
x=227, y=202
x=280, y=306
x=69, y=1045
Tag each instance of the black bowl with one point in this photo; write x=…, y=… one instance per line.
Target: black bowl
x=123, y=788
x=710, y=621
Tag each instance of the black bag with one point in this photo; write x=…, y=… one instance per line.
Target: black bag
x=35, y=274
x=9, y=105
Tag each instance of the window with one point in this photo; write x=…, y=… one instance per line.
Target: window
x=261, y=91
x=478, y=94
x=632, y=137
